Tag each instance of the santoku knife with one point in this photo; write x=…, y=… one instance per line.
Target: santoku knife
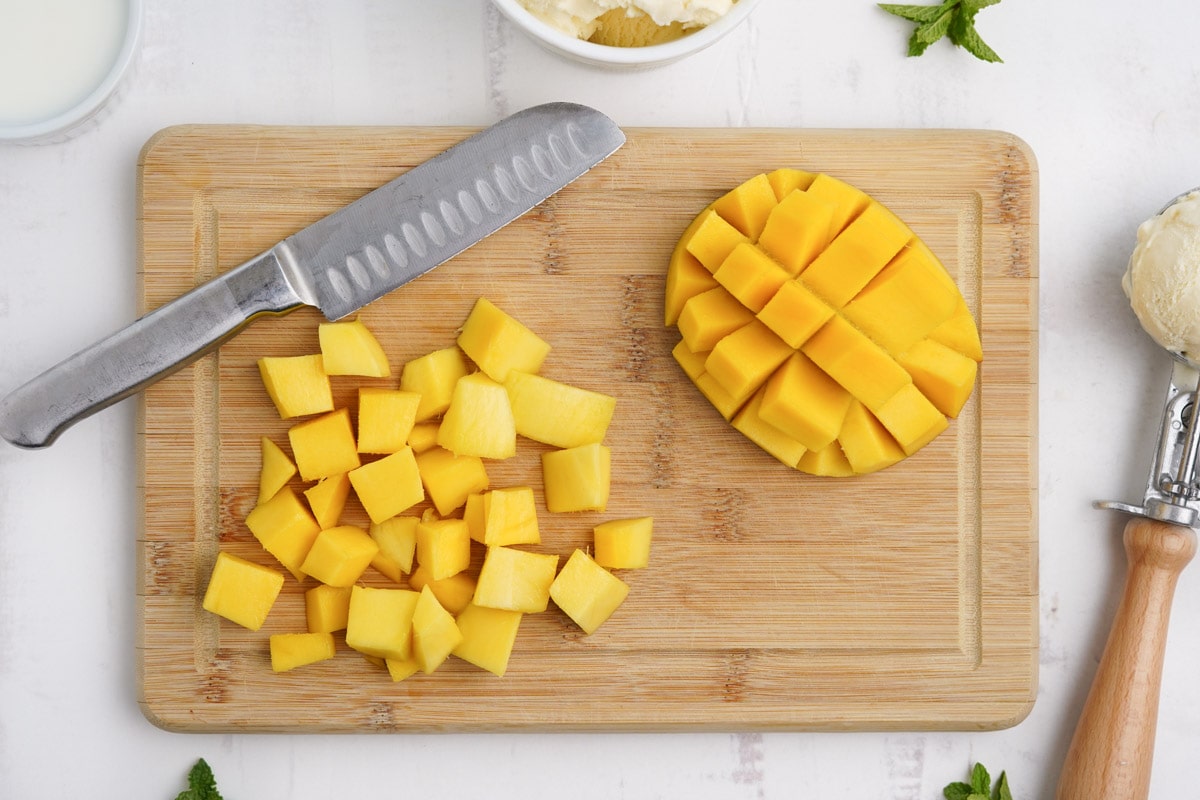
x=338, y=264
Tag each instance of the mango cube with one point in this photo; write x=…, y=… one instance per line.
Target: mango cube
x=577, y=479
x=242, y=591
x=711, y=316
x=516, y=580
x=479, y=421
x=692, y=363
x=488, y=636
x=397, y=540
x=449, y=479
x=443, y=547
x=911, y=419
x=497, y=343
x=379, y=622
x=785, y=180
x=385, y=419
x=623, y=543
x=326, y=608
x=721, y=398
x=291, y=650
x=798, y=230
x=751, y=424
x=857, y=363
x=389, y=486
x=555, y=413
x=943, y=375
x=804, y=403
x=750, y=275
x=587, y=592
x=399, y=669
x=454, y=593
x=349, y=348
x=747, y=206
x=743, y=360
x=509, y=516
x=434, y=633
x=340, y=555
x=794, y=314
x=867, y=445
x=905, y=302
x=327, y=499
x=324, y=446
x=960, y=333
x=829, y=462
x=432, y=376
x=847, y=201
x=686, y=278
x=277, y=470
x=285, y=528
x=297, y=385
x=423, y=436
x=712, y=240
x=857, y=255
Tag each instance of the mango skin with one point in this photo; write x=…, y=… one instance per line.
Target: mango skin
x=819, y=325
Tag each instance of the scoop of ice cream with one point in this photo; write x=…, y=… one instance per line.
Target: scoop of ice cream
x=1162, y=281
x=592, y=20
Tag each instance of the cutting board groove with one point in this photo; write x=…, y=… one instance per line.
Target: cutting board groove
x=774, y=600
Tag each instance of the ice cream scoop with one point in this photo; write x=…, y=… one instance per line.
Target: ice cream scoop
x=1162, y=280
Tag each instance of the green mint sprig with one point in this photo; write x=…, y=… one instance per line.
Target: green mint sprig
x=980, y=787
x=953, y=18
x=201, y=784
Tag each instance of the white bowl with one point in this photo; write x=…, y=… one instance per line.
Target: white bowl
x=623, y=57
x=62, y=124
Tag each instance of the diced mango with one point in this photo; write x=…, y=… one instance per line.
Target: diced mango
x=434, y=633
x=555, y=413
x=623, y=543
x=798, y=230
x=711, y=316
x=385, y=419
x=746, y=206
x=764, y=434
x=325, y=445
x=380, y=622
x=867, y=445
x=516, y=580
x=388, y=486
x=804, y=402
x=587, y=592
x=686, y=278
x=498, y=343
x=692, y=363
x=743, y=360
x=795, y=313
x=857, y=363
x=943, y=375
x=326, y=608
x=856, y=256
x=847, y=201
x=277, y=470
x=297, y=385
x=399, y=669
x=911, y=419
x=721, y=398
x=905, y=302
x=349, y=348
x=829, y=462
x=340, y=555
x=449, y=479
x=712, y=240
x=488, y=637
x=510, y=517
x=479, y=421
x=291, y=650
x=285, y=528
x=750, y=275
x=785, y=180
x=327, y=499
x=242, y=591
x=454, y=593
x=577, y=479
x=960, y=333
x=443, y=547
x=432, y=376
x=423, y=436
x=397, y=540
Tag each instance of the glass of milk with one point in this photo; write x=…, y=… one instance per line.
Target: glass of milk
x=60, y=63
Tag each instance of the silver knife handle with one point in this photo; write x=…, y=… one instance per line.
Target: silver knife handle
x=154, y=346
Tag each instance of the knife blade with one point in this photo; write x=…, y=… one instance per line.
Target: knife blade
x=340, y=263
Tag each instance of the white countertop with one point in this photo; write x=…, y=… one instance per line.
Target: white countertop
x=1109, y=101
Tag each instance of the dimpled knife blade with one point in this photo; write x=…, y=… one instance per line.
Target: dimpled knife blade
x=338, y=264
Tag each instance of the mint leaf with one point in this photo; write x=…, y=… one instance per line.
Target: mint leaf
x=981, y=782
x=969, y=40
x=918, y=14
x=202, y=785
x=1002, y=791
x=952, y=18
x=973, y=6
x=957, y=791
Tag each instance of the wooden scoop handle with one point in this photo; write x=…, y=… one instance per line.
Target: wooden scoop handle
x=1113, y=746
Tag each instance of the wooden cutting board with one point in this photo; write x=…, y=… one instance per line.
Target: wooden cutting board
x=774, y=600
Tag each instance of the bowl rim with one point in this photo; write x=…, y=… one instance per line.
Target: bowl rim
x=625, y=56
x=95, y=99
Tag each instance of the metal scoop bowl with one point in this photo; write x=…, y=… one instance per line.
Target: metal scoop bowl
x=1112, y=750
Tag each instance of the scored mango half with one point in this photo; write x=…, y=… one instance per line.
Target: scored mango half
x=819, y=324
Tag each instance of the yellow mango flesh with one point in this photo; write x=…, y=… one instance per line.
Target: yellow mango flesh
x=324, y=446
x=623, y=543
x=285, y=528
x=454, y=593
x=349, y=348
x=479, y=421
x=388, y=486
x=434, y=633
x=861, y=344
x=488, y=636
x=515, y=580
x=277, y=470
x=587, y=592
x=326, y=608
x=379, y=621
x=509, y=516
x=385, y=419
x=432, y=376
x=577, y=479
x=556, y=413
x=327, y=499
x=450, y=479
x=397, y=540
x=497, y=343
x=443, y=547
x=340, y=555
x=242, y=591
x=297, y=385
x=291, y=650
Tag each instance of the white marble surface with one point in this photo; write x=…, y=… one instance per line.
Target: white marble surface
x=1109, y=100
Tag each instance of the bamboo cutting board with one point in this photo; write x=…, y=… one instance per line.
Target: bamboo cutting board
x=774, y=600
